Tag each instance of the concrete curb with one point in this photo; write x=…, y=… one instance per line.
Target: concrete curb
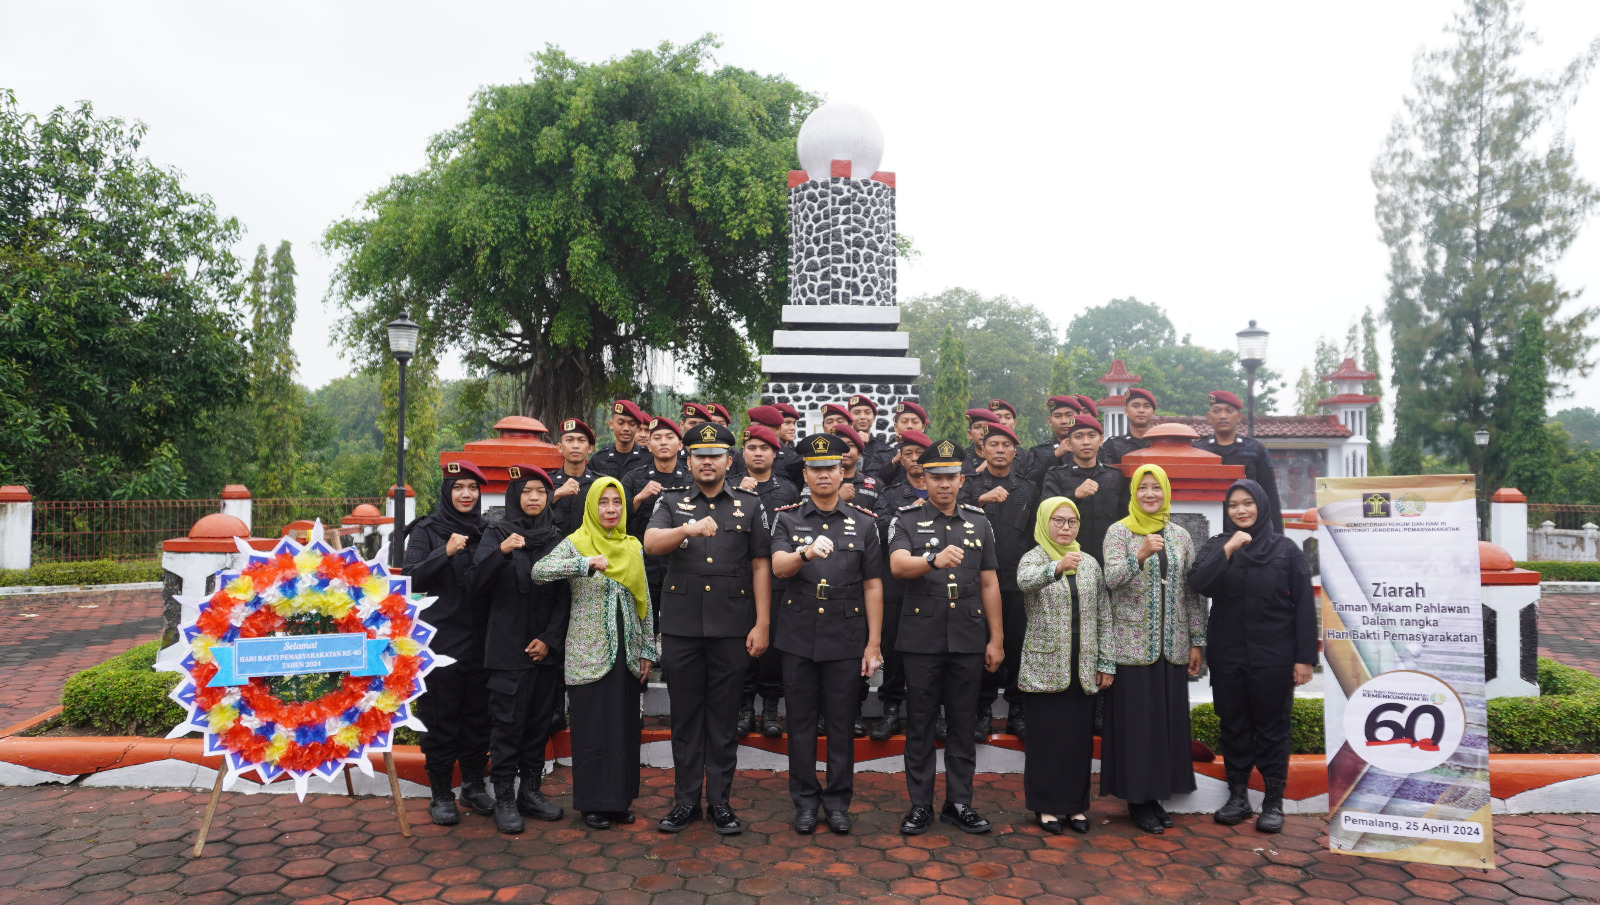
x=1569, y=587
x=37, y=590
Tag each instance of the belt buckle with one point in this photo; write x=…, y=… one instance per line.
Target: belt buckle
x=954, y=590
x=822, y=589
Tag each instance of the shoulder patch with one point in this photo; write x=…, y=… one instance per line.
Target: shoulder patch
x=979, y=509
x=873, y=482
x=918, y=505
x=869, y=512
x=797, y=506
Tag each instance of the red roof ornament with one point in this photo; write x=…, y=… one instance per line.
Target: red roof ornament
x=1119, y=374
x=1349, y=371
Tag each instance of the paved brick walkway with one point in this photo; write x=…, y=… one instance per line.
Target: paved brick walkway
x=98, y=846
x=1569, y=630
x=45, y=639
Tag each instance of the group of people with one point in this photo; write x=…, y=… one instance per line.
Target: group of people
x=796, y=569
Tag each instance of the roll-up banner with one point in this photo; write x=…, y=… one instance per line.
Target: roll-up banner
x=1402, y=640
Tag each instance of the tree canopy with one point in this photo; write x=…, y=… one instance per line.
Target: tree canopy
x=578, y=220
x=120, y=334
x=1009, y=349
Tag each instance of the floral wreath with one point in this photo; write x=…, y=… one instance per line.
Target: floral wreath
x=251, y=726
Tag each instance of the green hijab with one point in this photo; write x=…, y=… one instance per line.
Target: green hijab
x=1041, y=529
x=623, y=552
x=1139, y=521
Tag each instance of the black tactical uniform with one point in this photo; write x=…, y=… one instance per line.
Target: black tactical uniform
x=1041, y=458
x=1252, y=454
x=1112, y=451
x=942, y=636
x=892, y=690
x=613, y=462
x=876, y=457
x=655, y=567
x=708, y=608
x=822, y=633
x=785, y=463
x=1012, y=523
x=1097, y=512
x=569, y=510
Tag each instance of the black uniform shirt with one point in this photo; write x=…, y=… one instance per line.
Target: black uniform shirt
x=710, y=584
x=783, y=464
x=569, y=510
x=1112, y=451
x=867, y=488
x=822, y=612
x=615, y=463
x=1099, y=510
x=1260, y=615
x=876, y=457
x=460, y=617
x=655, y=567
x=889, y=502
x=943, y=610
x=1041, y=458
x=1011, y=519
x=1253, y=455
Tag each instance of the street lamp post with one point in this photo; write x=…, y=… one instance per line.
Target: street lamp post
x=1252, y=352
x=1481, y=437
x=402, y=345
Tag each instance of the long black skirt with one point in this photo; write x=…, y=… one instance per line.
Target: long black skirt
x=605, y=725
x=1144, y=749
x=1060, y=751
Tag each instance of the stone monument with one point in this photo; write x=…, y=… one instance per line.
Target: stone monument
x=841, y=322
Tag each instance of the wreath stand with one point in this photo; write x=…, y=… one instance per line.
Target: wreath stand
x=349, y=788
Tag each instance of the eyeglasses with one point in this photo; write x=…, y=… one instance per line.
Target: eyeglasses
x=1059, y=523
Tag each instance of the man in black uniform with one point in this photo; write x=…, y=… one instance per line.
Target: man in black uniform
x=628, y=452
x=1140, y=406
x=950, y=633
x=1100, y=491
x=714, y=617
x=1008, y=500
x=911, y=489
x=573, y=480
x=972, y=457
x=765, y=675
x=875, y=454
x=1226, y=414
x=834, y=413
x=1055, y=451
x=1006, y=414
x=643, y=486
x=720, y=414
x=858, y=487
x=785, y=462
x=827, y=553
x=793, y=465
x=908, y=416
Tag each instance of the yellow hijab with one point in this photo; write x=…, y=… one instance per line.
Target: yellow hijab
x=623, y=552
x=1041, y=528
x=1139, y=521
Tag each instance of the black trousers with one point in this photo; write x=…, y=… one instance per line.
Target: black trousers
x=456, y=712
x=951, y=680
x=828, y=687
x=1014, y=622
x=893, y=687
x=1253, y=706
x=522, y=704
x=705, y=680
x=765, y=675
x=1060, y=751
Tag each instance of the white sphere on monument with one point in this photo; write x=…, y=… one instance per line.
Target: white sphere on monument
x=840, y=131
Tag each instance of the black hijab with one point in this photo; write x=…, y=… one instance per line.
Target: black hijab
x=454, y=521
x=539, y=532
x=1267, y=532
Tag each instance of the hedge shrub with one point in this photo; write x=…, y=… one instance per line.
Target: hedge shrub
x=1305, y=726
x=123, y=694
x=1550, y=570
x=97, y=571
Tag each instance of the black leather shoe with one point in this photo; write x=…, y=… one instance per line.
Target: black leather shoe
x=475, y=795
x=724, y=821
x=442, y=810
x=1050, y=826
x=622, y=817
x=839, y=822
x=596, y=820
x=1161, y=814
x=1079, y=824
x=1144, y=817
x=747, y=715
x=941, y=728
x=964, y=817
x=805, y=821
x=916, y=821
x=678, y=819
x=770, y=727
x=889, y=724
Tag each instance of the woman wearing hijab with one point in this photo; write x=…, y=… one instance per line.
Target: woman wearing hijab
x=1263, y=642
x=523, y=653
x=439, y=556
x=1158, y=628
x=611, y=646
x=1066, y=658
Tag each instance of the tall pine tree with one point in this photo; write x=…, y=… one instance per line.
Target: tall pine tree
x=1373, y=364
x=1525, y=450
x=276, y=402
x=952, y=389
x=1478, y=198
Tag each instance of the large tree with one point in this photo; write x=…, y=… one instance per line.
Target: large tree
x=1010, y=348
x=120, y=336
x=1119, y=328
x=952, y=389
x=1478, y=198
x=277, y=403
x=1526, y=449
x=575, y=221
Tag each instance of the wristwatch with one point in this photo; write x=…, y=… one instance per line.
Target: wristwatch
x=930, y=556
x=803, y=551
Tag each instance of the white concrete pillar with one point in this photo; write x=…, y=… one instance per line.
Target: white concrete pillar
x=1508, y=522
x=236, y=502
x=16, y=527
x=411, y=504
x=1590, y=532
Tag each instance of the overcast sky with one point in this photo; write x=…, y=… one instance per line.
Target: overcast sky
x=1211, y=158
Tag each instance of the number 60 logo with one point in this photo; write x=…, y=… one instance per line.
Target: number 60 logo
x=1404, y=721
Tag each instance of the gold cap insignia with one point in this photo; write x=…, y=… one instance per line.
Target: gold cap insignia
x=709, y=432
x=453, y=468
x=569, y=425
x=820, y=444
x=616, y=407
x=514, y=473
x=946, y=449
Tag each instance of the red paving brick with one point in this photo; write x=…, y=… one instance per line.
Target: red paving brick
x=1569, y=630
x=46, y=638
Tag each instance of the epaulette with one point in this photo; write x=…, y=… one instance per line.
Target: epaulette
x=916, y=505
x=869, y=512
x=736, y=489
x=786, y=508
x=675, y=489
x=977, y=509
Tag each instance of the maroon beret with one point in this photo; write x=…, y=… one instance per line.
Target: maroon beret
x=996, y=405
x=1070, y=402
x=915, y=438
x=517, y=473
x=461, y=468
x=666, y=424
x=1088, y=405
x=696, y=410
x=1224, y=397
x=627, y=408
x=1083, y=421
x=901, y=408
x=833, y=408
x=992, y=428
x=763, y=433
x=859, y=399
x=719, y=409
x=1138, y=393
x=765, y=414
x=981, y=415
x=574, y=426
x=849, y=433
x=788, y=410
